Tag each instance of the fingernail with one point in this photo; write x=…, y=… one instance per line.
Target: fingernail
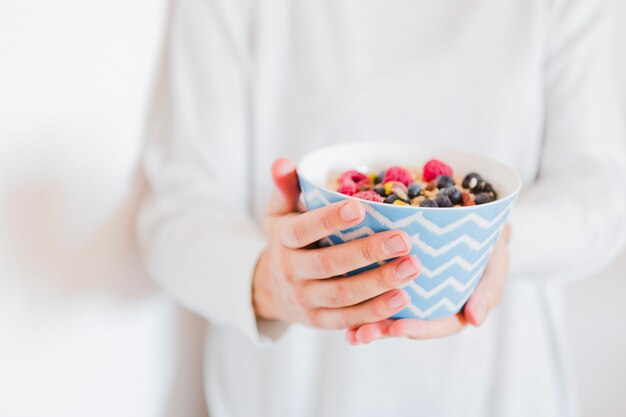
x=350, y=211
x=397, y=301
x=395, y=244
x=481, y=313
x=284, y=168
x=406, y=269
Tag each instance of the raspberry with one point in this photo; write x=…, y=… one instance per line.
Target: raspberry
x=435, y=168
x=356, y=177
x=369, y=196
x=467, y=199
x=398, y=174
x=348, y=188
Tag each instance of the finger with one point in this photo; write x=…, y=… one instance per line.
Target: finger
x=489, y=290
x=287, y=189
x=309, y=227
x=376, y=309
x=340, y=259
x=350, y=337
x=427, y=329
x=346, y=291
x=373, y=331
x=301, y=206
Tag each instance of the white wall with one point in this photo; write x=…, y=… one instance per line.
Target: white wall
x=597, y=310
x=82, y=331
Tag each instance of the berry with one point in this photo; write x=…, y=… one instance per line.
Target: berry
x=380, y=190
x=453, y=193
x=391, y=198
x=467, y=200
x=415, y=189
x=398, y=174
x=357, y=177
x=483, y=198
x=428, y=203
x=445, y=181
x=435, y=168
x=347, y=188
x=369, y=196
x=443, y=201
x=482, y=187
x=471, y=180
x=381, y=175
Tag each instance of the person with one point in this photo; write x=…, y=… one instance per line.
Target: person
x=243, y=82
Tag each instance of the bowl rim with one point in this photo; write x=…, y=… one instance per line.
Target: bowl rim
x=512, y=196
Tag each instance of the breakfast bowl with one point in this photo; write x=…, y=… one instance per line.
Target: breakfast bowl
x=453, y=244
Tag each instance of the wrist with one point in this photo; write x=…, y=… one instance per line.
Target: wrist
x=260, y=294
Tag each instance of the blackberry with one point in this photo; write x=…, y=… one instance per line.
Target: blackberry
x=471, y=180
x=482, y=186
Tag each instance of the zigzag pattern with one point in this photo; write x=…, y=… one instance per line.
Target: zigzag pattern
x=457, y=260
x=419, y=217
x=450, y=282
x=423, y=246
x=449, y=305
x=446, y=285
x=465, y=239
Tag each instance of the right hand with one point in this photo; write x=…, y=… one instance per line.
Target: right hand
x=297, y=282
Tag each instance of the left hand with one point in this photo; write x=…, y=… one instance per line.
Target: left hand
x=486, y=296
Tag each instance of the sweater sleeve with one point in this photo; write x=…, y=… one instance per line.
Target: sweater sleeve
x=197, y=236
x=571, y=221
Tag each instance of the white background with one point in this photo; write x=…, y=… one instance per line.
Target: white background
x=82, y=331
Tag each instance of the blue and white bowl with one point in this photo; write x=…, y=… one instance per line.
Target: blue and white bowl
x=453, y=244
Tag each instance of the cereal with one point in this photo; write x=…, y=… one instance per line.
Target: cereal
x=436, y=187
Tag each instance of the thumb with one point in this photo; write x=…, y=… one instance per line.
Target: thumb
x=287, y=189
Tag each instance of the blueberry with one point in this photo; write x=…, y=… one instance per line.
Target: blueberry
x=415, y=189
x=391, y=198
x=483, y=198
x=454, y=194
x=443, y=201
x=380, y=190
x=428, y=203
x=381, y=175
x=471, y=180
x=445, y=181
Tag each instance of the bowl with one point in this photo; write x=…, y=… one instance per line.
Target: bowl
x=453, y=244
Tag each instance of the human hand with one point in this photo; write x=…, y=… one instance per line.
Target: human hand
x=297, y=282
x=486, y=296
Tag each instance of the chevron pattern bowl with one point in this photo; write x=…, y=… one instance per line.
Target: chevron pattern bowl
x=453, y=244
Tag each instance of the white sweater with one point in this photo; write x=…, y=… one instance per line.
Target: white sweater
x=528, y=82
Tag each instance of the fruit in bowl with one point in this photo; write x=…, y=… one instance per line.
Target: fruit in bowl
x=452, y=237
x=435, y=187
